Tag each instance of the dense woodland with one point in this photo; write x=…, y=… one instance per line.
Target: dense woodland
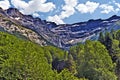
x=92, y=60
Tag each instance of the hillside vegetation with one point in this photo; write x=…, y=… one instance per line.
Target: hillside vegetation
x=24, y=60
x=92, y=60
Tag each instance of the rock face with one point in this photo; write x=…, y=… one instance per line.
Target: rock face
x=9, y=25
x=64, y=35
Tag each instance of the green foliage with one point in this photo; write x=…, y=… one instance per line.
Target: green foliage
x=24, y=60
x=55, y=52
x=118, y=35
x=93, y=61
x=112, y=43
x=71, y=65
x=66, y=75
x=101, y=37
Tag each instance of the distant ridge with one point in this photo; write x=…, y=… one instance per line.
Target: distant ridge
x=63, y=35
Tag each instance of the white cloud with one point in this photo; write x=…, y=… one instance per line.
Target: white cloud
x=36, y=15
x=55, y=19
x=118, y=4
x=106, y=8
x=117, y=10
x=33, y=6
x=4, y=4
x=67, y=10
x=39, y=6
x=88, y=7
x=71, y=3
x=20, y=4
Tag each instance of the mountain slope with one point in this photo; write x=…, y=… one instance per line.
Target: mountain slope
x=9, y=25
x=64, y=35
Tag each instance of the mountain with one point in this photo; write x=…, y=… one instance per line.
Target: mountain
x=10, y=25
x=64, y=35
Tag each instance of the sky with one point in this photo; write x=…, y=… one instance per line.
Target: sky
x=65, y=11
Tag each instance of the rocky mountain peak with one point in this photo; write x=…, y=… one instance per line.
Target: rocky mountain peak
x=2, y=11
x=114, y=17
x=13, y=12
